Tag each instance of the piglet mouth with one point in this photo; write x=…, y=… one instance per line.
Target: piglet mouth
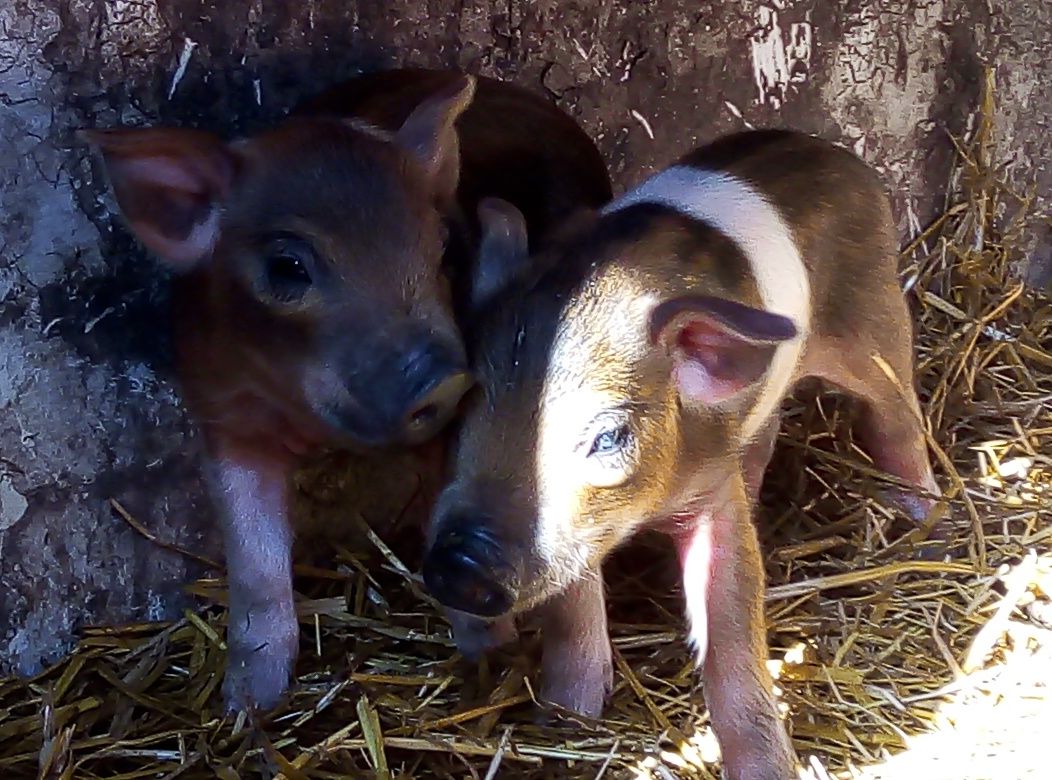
x=353, y=426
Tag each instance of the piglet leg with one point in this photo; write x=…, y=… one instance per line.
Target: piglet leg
x=890, y=427
x=897, y=445
x=723, y=583
x=576, y=662
x=263, y=634
x=475, y=637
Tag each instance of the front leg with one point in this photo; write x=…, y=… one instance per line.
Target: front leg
x=891, y=426
x=251, y=486
x=723, y=582
x=576, y=663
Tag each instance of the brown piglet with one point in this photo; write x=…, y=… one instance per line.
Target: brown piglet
x=313, y=304
x=632, y=376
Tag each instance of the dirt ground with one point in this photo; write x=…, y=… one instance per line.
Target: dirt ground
x=88, y=412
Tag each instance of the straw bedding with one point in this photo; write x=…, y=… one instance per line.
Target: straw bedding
x=889, y=666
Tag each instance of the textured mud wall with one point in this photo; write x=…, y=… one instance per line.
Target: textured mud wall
x=87, y=408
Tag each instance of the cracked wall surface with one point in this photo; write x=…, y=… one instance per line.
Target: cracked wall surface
x=88, y=408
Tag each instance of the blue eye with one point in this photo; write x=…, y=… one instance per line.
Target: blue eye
x=610, y=441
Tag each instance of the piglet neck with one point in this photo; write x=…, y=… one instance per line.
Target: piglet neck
x=701, y=497
x=682, y=522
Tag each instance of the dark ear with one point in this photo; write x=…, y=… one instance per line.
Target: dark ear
x=169, y=184
x=429, y=134
x=503, y=254
x=718, y=347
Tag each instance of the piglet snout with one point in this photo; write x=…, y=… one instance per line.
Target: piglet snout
x=404, y=395
x=466, y=570
x=437, y=381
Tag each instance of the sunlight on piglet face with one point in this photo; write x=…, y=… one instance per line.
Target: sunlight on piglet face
x=611, y=395
x=607, y=431
x=567, y=445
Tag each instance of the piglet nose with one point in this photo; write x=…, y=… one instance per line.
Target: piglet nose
x=435, y=405
x=434, y=380
x=465, y=571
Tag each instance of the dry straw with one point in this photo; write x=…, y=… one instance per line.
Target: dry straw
x=873, y=645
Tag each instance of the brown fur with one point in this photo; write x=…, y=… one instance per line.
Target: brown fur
x=515, y=375
x=265, y=371
x=618, y=317
x=313, y=311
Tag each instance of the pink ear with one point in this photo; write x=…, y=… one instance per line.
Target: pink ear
x=169, y=184
x=718, y=347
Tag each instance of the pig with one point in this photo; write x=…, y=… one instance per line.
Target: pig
x=315, y=266
x=631, y=376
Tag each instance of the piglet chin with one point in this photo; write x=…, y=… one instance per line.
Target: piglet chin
x=305, y=435
x=475, y=636
x=299, y=445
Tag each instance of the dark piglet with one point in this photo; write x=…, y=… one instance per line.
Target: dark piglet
x=632, y=375
x=513, y=145
x=312, y=308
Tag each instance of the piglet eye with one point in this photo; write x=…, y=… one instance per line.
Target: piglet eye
x=286, y=271
x=610, y=441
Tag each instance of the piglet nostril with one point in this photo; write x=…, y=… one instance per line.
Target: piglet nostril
x=425, y=415
x=432, y=408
